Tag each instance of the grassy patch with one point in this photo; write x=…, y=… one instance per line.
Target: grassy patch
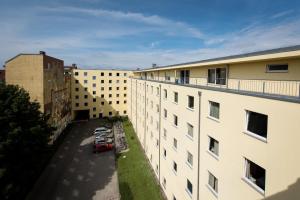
x=136, y=180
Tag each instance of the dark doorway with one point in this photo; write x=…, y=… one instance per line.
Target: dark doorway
x=82, y=114
x=100, y=115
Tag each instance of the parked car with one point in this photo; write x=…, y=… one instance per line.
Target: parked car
x=102, y=146
x=102, y=128
x=105, y=131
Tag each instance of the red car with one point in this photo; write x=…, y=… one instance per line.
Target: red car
x=102, y=146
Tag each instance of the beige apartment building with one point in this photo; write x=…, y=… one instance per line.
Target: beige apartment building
x=225, y=128
x=42, y=76
x=99, y=93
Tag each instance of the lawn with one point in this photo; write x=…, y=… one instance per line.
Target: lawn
x=136, y=181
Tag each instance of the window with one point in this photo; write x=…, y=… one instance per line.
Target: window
x=190, y=130
x=102, y=88
x=86, y=104
x=110, y=102
x=176, y=97
x=94, y=77
x=165, y=133
x=94, y=92
x=94, y=84
x=165, y=153
x=102, y=95
x=175, y=143
x=77, y=104
x=174, y=166
x=165, y=94
x=117, y=81
x=164, y=183
x=125, y=81
x=214, y=109
x=165, y=113
x=110, y=88
x=125, y=88
x=102, y=81
x=94, y=99
x=189, y=186
x=277, y=68
x=85, y=73
x=125, y=74
x=85, y=89
x=157, y=142
x=110, y=74
x=191, y=102
x=118, y=74
x=118, y=102
x=157, y=108
x=76, y=73
x=85, y=81
x=102, y=103
x=76, y=81
x=255, y=174
x=102, y=73
x=94, y=108
x=109, y=95
x=125, y=101
x=124, y=112
x=76, y=89
x=217, y=76
x=110, y=113
x=190, y=158
x=94, y=116
x=157, y=91
x=175, y=120
x=85, y=96
x=213, y=146
x=213, y=182
x=109, y=81
x=118, y=88
x=257, y=123
x=76, y=97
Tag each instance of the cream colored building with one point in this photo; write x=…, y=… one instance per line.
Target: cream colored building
x=226, y=128
x=99, y=93
x=42, y=76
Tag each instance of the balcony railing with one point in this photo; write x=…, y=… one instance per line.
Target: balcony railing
x=272, y=87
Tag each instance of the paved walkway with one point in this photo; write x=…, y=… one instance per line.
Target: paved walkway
x=76, y=173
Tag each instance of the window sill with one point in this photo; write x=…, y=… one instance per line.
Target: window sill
x=175, y=173
x=213, y=155
x=258, y=189
x=212, y=190
x=175, y=126
x=255, y=136
x=190, y=109
x=175, y=149
x=188, y=164
x=189, y=193
x=176, y=103
x=214, y=119
x=190, y=137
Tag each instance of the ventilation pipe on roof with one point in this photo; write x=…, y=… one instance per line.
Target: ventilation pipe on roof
x=42, y=52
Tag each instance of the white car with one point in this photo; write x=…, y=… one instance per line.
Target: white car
x=105, y=131
x=101, y=129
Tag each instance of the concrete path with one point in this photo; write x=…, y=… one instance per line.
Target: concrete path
x=75, y=172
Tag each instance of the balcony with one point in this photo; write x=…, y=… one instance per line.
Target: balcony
x=274, y=88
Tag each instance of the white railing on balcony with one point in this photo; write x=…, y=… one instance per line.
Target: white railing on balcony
x=272, y=87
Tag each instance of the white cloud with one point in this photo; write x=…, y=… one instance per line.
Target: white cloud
x=282, y=14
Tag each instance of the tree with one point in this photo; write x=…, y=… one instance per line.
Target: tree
x=24, y=138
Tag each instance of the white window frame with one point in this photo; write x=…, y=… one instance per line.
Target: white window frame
x=255, y=135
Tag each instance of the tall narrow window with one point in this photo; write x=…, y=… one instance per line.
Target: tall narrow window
x=213, y=146
x=255, y=174
x=214, y=109
x=189, y=186
x=176, y=97
x=213, y=182
x=257, y=123
x=190, y=130
x=191, y=102
x=165, y=94
x=175, y=120
x=190, y=158
x=175, y=143
x=165, y=113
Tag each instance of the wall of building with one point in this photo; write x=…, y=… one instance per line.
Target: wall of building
x=117, y=105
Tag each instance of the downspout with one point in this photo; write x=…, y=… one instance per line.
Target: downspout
x=145, y=116
x=159, y=126
x=199, y=123
x=131, y=99
x=136, y=108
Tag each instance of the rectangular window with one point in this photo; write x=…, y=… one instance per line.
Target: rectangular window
x=118, y=74
x=213, y=182
x=117, y=88
x=85, y=96
x=175, y=120
x=94, y=77
x=189, y=186
x=164, y=183
x=175, y=143
x=165, y=153
x=214, y=109
x=190, y=130
x=102, y=95
x=86, y=104
x=110, y=88
x=110, y=74
x=176, y=97
x=94, y=84
x=102, y=103
x=165, y=94
x=277, y=68
x=217, y=76
x=76, y=81
x=255, y=174
x=110, y=113
x=165, y=134
x=94, y=108
x=174, y=166
x=94, y=99
x=77, y=104
x=102, y=88
x=257, y=123
x=125, y=88
x=102, y=73
x=125, y=74
x=85, y=81
x=76, y=97
x=85, y=73
x=191, y=102
x=165, y=113
x=76, y=89
x=76, y=73
x=157, y=91
x=94, y=92
x=190, y=158
x=124, y=112
x=213, y=146
x=109, y=81
x=102, y=81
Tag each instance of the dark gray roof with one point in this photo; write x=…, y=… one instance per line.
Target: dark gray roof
x=257, y=53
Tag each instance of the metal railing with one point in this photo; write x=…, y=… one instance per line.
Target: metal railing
x=272, y=87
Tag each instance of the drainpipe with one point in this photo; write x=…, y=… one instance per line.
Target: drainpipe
x=131, y=99
x=136, y=108
x=159, y=126
x=199, y=122
x=145, y=115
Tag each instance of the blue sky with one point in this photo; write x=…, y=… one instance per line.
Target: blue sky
x=137, y=33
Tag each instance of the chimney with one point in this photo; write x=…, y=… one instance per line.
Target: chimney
x=154, y=65
x=42, y=52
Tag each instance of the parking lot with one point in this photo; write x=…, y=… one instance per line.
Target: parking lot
x=75, y=172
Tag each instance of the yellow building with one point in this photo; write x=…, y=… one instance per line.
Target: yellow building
x=42, y=76
x=225, y=128
x=99, y=93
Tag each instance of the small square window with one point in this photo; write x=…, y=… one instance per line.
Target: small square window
x=110, y=102
x=102, y=81
x=76, y=81
x=94, y=84
x=86, y=89
x=118, y=102
x=125, y=101
x=94, y=108
x=125, y=81
x=110, y=88
x=85, y=73
x=109, y=81
x=117, y=88
x=125, y=95
x=125, y=74
x=213, y=146
x=85, y=81
x=257, y=123
x=76, y=104
x=76, y=89
x=214, y=109
x=255, y=174
x=124, y=111
x=86, y=104
x=118, y=74
x=109, y=95
x=76, y=73
x=125, y=88
x=94, y=77
x=110, y=74
x=110, y=113
x=102, y=103
x=94, y=99
x=102, y=73
x=102, y=88
x=85, y=96
x=94, y=92
x=102, y=95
